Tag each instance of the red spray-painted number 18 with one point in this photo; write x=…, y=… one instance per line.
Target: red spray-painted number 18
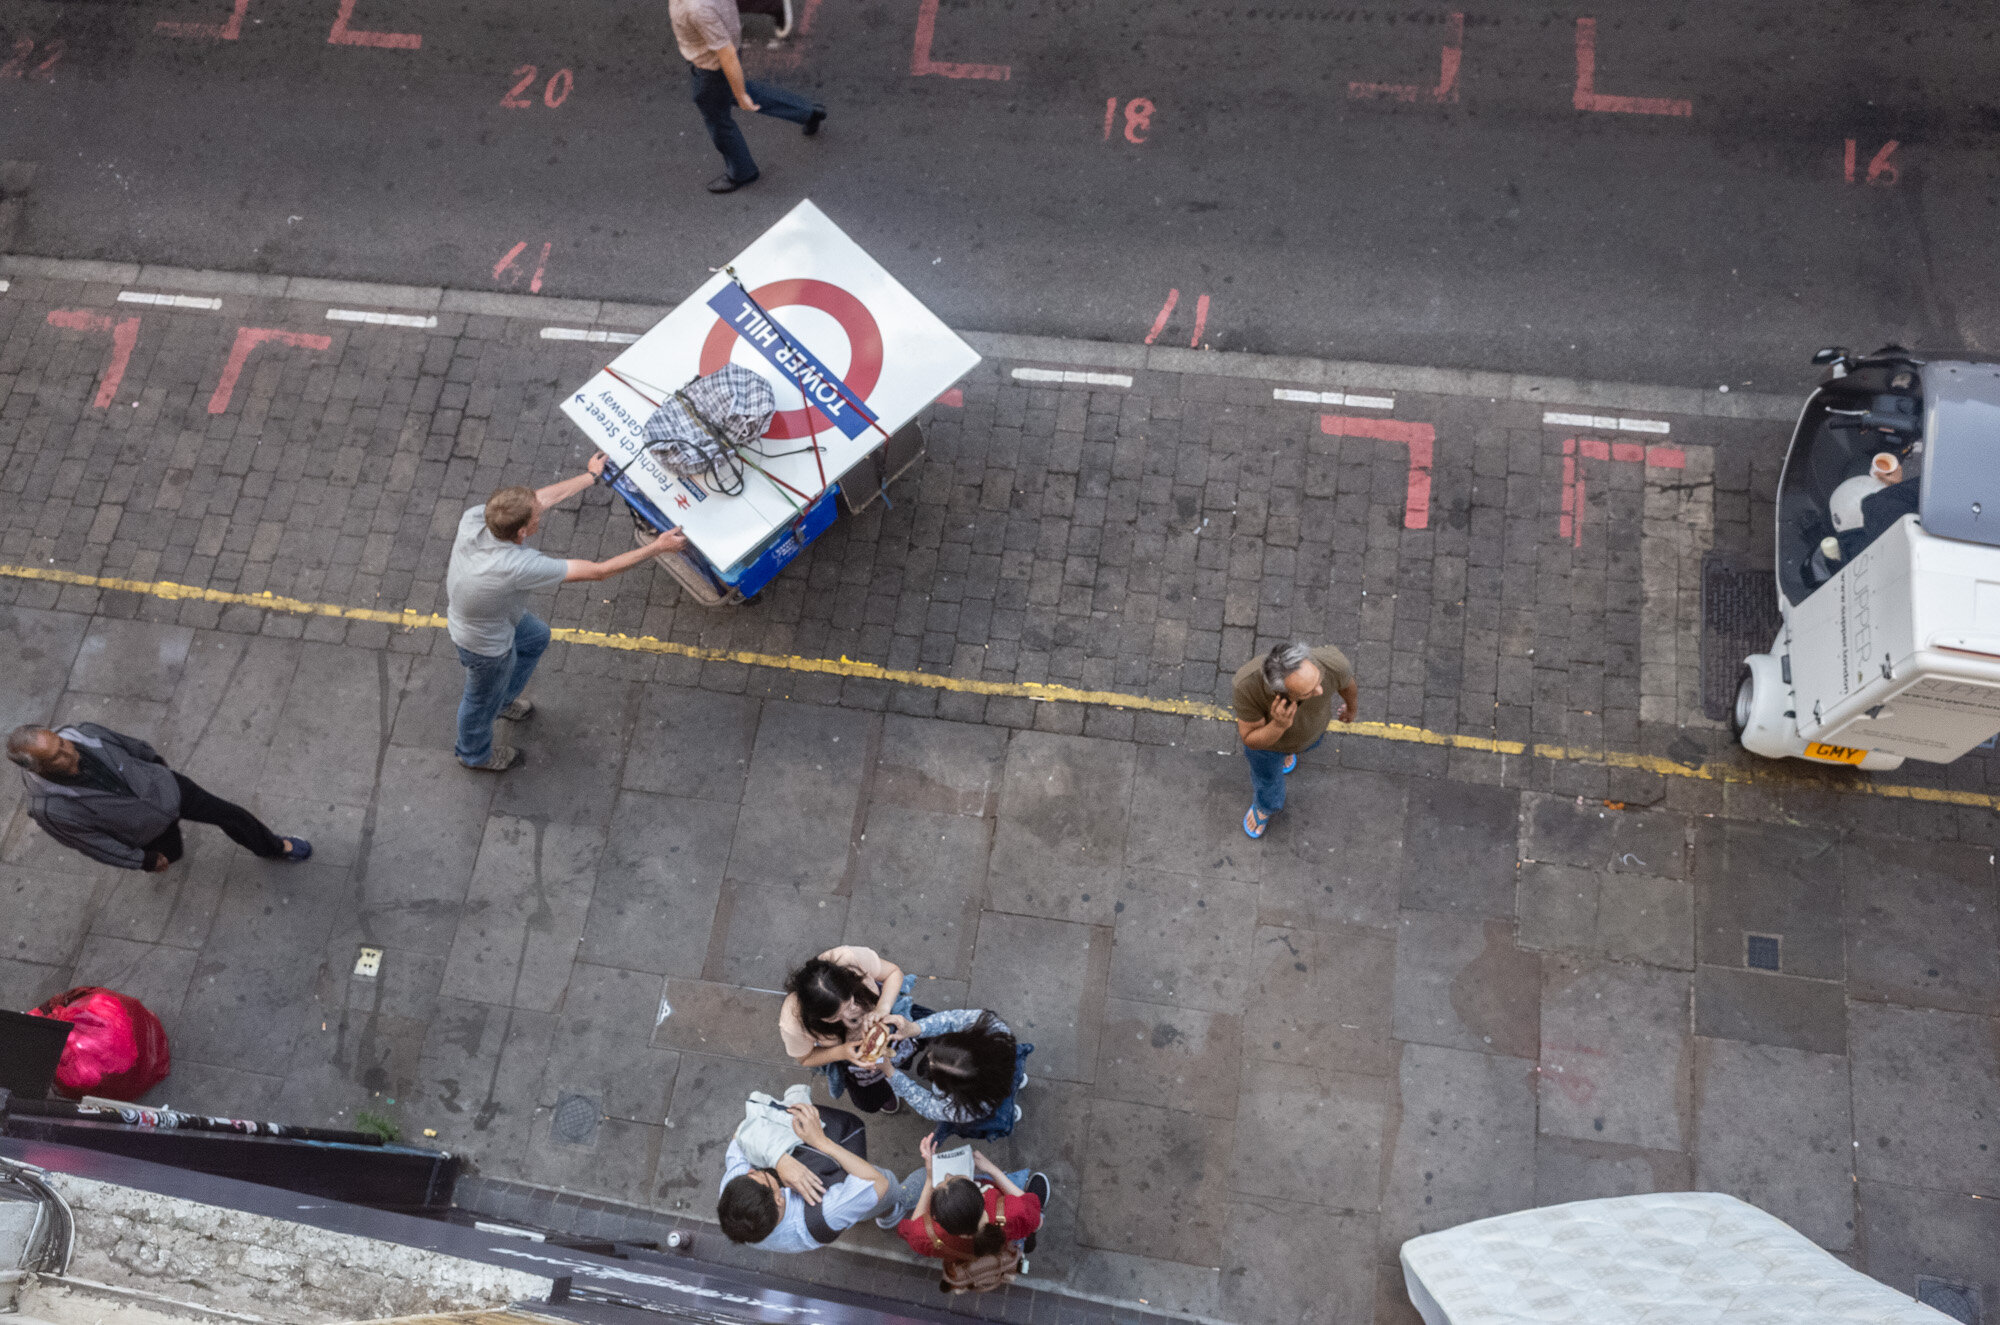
x=554, y=92
x=1138, y=118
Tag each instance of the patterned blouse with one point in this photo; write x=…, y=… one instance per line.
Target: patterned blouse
x=926, y=1099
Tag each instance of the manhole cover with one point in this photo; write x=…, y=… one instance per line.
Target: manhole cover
x=576, y=1120
x=1760, y=952
x=1959, y=1301
x=1739, y=617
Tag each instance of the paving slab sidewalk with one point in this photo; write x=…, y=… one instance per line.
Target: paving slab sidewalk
x=1446, y=985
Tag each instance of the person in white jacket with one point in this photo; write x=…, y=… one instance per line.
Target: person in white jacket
x=804, y=1200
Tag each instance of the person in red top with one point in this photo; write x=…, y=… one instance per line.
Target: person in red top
x=957, y=1219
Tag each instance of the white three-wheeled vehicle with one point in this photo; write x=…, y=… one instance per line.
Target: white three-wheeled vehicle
x=1888, y=540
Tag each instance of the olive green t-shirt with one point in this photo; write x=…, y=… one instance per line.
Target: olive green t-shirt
x=1252, y=698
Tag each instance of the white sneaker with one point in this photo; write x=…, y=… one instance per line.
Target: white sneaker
x=785, y=27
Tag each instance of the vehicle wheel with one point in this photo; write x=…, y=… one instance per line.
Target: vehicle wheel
x=1745, y=705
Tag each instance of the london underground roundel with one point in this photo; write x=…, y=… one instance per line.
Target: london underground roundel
x=864, y=341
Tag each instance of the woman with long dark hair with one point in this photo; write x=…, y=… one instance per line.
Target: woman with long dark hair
x=961, y=1219
x=831, y=1004
x=953, y=1067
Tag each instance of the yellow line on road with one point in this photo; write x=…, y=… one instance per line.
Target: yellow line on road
x=1189, y=708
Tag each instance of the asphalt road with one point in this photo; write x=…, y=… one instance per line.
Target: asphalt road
x=1494, y=225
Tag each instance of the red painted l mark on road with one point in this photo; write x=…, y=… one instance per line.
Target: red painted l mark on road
x=343, y=35
x=921, y=63
x=248, y=339
x=124, y=335
x=1589, y=98
x=1596, y=448
x=229, y=31
x=1447, y=84
x=1419, y=437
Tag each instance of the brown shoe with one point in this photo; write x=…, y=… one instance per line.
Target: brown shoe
x=519, y=709
x=503, y=758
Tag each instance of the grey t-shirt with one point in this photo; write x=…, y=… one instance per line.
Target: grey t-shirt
x=487, y=586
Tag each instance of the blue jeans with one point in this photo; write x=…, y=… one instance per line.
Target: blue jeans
x=1267, y=777
x=717, y=104
x=491, y=684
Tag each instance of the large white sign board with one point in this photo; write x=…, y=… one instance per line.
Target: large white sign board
x=835, y=301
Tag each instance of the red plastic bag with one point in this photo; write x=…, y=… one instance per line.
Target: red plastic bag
x=118, y=1049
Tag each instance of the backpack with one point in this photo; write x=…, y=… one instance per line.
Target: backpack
x=827, y=1169
x=977, y=1274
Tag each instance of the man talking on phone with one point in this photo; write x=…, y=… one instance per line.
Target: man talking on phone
x=1284, y=704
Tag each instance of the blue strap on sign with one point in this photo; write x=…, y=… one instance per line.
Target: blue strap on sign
x=815, y=381
x=615, y=478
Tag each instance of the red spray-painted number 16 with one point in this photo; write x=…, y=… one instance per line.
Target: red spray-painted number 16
x=1138, y=118
x=554, y=92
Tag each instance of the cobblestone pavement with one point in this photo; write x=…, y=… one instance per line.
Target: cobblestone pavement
x=1450, y=982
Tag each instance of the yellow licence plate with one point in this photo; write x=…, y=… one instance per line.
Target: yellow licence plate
x=1835, y=754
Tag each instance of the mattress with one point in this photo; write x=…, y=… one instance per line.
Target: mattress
x=1668, y=1258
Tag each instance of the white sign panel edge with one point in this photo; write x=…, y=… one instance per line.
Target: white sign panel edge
x=920, y=359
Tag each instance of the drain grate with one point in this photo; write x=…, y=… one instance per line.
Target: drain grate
x=576, y=1120
x=1760, y=951
x=1959, y=1301
x=1739, y=617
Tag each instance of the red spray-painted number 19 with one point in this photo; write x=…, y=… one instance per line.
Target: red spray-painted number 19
x=1138, y=118
x=554, y=92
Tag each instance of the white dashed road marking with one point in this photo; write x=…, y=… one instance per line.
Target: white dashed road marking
x=594, y=337
x=381, y=319
x=1605, y=423
x=168, y=300
x=1334, y=398
x=1085, y=379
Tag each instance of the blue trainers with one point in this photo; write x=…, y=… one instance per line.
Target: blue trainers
x=300, y=849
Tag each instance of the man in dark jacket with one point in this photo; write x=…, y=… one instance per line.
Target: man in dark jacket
x=114, y=799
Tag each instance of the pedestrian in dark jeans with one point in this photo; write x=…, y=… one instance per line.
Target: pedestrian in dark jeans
x=1283, y=704
x=486, y=587
x=708, y=33
x=114, y=799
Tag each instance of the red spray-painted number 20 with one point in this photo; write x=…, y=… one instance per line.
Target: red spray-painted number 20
x=554, y=92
